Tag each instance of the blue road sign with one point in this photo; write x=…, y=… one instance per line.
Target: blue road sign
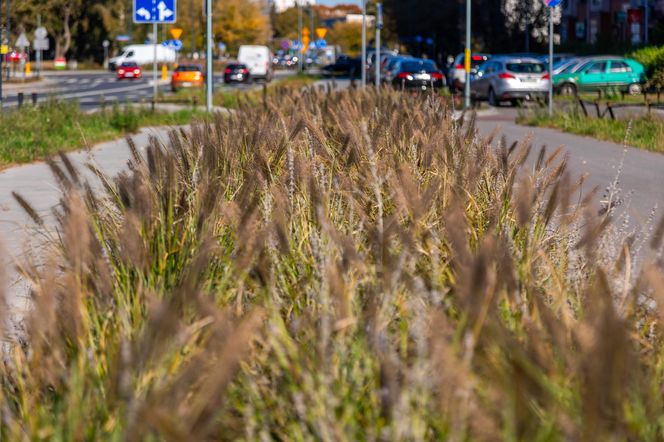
x=176, y=45
x=155, y=11
x=321, y=44
x=552, y=3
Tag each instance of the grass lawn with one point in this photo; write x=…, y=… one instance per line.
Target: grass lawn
x=36, y=133
x=614, y=97
x=646, y=133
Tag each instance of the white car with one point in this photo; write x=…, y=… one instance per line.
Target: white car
x=258, y=60
x=456, y=76
x=143, y=55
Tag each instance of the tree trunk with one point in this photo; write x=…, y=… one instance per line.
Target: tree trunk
x=63, y=41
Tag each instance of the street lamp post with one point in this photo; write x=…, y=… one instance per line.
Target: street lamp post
x=300, y=56
x=467, y=57
x=364, y=43
x=210, y=69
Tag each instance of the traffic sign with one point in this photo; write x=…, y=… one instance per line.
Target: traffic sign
x=176, y=45
x=321, y=44
x=105, y=43
x=4, y=49
x=41, y=33
x=22, y=41
x=306, y=32
x=123, y=38
x=321, y=33
x=552, y=3
x=40, y=44
x=155, y=11
x=176, y=33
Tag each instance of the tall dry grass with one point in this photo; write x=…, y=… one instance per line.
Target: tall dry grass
x=337, y=266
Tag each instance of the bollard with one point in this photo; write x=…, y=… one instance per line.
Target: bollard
x=264, y=95
x=28, y=71
x=102, y=102
x=20, y=99
x=34, y=98
x=164, y=72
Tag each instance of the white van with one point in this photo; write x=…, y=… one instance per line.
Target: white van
x=258, y=60
x=143, y=55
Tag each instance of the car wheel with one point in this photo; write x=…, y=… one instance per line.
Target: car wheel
x=568, y=89
x=493, y=100
x=634, y=89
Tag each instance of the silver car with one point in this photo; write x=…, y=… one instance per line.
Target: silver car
x=510, y=79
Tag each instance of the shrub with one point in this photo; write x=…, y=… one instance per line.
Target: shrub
x=124, y=118
x=652, y=57
x=351, y=266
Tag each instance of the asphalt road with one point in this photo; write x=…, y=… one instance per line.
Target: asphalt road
x=88, y=88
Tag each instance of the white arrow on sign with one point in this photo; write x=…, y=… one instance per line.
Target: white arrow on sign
x=164, y=12
x=143, y=13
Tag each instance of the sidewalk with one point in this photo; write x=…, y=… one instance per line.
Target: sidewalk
x=36, y=184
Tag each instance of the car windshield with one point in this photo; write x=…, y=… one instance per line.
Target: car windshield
x=423, y=65
x=237, y=66
x=128, y=65
x=561, y=63
x=188, y=69
x=525, y=68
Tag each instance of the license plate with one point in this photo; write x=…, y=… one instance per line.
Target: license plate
x=528, y=80
x=129, y=74
x=423, y=77
x=186, y=84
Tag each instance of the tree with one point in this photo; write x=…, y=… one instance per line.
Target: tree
x=348, y=36
x=239, y=22
x=529, y=17
x=58, y=17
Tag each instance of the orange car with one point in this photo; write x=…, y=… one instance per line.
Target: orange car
x=187, y=75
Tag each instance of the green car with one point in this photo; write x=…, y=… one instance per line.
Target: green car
x=595, y=73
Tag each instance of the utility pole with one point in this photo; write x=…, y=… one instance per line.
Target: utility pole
x=364, y=43
x=155, y=88
x=209, y=77
x=467, y=56
x=550, y=62
x=300, y=56
x=9, y=30
x=2, y=56
x=379, y=27
x=192, y=30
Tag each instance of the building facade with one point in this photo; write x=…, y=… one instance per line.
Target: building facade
x=282, y=5
x=622, y=21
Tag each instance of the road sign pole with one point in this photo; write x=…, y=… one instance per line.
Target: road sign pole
x=39, y=52
x=379, y=27
x=154, y=65
x=210, y=69
x=550, y=62
x=364, y=43
x=468, y=55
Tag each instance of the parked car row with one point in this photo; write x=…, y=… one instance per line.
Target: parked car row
x=401, y=71
x=517, y=77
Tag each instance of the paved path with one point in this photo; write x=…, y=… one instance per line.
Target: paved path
x=641, y=178
x=36, y=184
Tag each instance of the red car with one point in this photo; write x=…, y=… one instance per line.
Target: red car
x=129, y=70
